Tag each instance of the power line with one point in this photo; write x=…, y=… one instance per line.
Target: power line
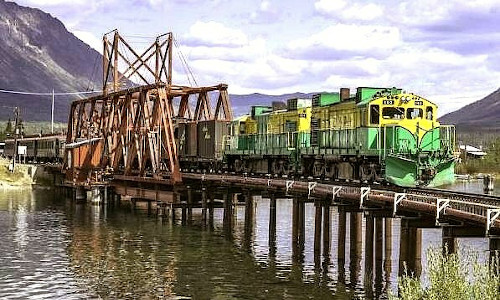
x=46, y=94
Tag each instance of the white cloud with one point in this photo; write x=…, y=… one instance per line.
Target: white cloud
x=90, y=39
x=345, y=10
x=215, y=34
x=265, y=5
x=347, y=40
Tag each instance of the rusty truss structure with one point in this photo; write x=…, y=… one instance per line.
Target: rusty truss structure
x=131, y=130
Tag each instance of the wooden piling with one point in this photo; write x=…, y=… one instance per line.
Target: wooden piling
x=369, y=234
x=272, y=220
x=317, y=228
x=326, y=229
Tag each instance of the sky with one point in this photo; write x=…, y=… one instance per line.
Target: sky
x=447, y=51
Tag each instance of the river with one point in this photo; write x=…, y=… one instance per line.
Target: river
x=52, y=248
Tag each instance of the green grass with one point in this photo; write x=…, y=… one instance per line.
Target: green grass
x=452, y=277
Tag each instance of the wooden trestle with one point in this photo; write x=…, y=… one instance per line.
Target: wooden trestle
x=131, y=130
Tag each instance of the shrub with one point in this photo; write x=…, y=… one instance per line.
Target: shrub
x=454, y=277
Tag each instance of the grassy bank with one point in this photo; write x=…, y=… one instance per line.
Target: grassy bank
x=453, y=277
x=18, y=178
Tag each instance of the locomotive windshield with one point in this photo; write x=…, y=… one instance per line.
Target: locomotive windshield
x=414, y=113
x=393, y=113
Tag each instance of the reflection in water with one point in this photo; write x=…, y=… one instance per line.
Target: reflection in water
x=265, y=248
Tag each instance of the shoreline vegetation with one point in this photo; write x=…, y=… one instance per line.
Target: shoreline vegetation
x=20, y=178
x=490, y=164
x=452, y=277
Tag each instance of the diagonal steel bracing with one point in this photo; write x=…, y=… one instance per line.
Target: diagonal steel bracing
x=131, y=130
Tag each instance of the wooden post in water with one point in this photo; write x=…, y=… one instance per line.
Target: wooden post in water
x=342, y=229
x=342, y=226
x=295, y=227
x=211, y=211
x=356, y=244
x=326, y=229
x=379, y=239
x=302, y=229
x=227, y=214
x=189, y=205
x=379, y=255
x=272, y=226
x=247, y=241
x=410, y=249
x=317, y=228
x=204, y=206
x=272, y=221
x=184, y=213
x=369, y=233
x=489, y=183
x=356, y=234
x=388, y=245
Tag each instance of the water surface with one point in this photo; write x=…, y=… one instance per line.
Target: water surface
x=52, y=248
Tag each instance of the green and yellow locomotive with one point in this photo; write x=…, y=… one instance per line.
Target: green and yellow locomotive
x=377, y=134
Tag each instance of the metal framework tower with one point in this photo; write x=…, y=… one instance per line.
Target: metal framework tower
x=130, y=130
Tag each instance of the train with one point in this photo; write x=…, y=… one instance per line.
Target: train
x=37, y=148
x=377, y=134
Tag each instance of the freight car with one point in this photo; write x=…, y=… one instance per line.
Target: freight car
x=377, y=134
x=201, y=144
x=39, y=148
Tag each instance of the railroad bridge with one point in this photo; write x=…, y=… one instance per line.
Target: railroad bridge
x=122, y=145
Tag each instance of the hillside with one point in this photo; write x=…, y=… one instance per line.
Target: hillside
x=241, y=103
x=38, y=54
x=482, y=114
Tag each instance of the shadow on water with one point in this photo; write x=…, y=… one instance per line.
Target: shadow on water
x=262, y=247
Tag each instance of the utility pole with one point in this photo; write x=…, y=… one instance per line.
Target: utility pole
x=16, y=131
x=52, y=114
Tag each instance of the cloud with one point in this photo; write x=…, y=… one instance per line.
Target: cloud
x=214, y=34
x=266, y=14
x=90, y=39
x=345, y=10
x=345, y=41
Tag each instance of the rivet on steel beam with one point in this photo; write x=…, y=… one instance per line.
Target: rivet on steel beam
x=491, y=215
x=364, y=195
x=441, y=206
x=398, y=197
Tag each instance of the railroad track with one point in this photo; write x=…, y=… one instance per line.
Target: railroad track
x=431, y=192
x=442, y=204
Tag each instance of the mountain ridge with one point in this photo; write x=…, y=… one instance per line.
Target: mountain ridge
x=38, y=54
x=484, y=113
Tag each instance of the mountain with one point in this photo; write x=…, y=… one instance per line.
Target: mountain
x=482, y=114
x=38, y=54
x=241, y=103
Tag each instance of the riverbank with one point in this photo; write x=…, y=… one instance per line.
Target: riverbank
x=20, y=178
